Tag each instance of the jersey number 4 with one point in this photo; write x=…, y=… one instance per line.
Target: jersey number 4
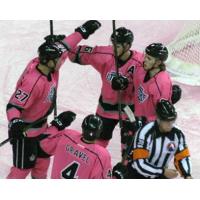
x=70, y=172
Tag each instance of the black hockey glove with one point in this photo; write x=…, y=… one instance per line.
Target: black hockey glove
x=16, y=128
x=63, y=120
x=88, y=28
x=119, y=83
x=119, y=171
x=140, y=122
x=133, y=126
x=128, y=126
x=127, y=137
x=176, y=93
x=54, y=38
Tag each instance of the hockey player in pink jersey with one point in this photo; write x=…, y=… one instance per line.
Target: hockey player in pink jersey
x=103, y=60
x=76, y=156
x=152, y=82
x=34, y=99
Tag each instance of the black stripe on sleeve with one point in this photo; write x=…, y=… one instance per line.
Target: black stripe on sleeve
x=10, y=106
x=144, y=170
x=161, y=148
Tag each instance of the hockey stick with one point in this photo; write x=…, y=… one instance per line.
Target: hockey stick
x=51, y=27
x=132, y=119
x=117, y=73
x=55, y=106
x=130, y=114
x=5, y=141
x=115, y=47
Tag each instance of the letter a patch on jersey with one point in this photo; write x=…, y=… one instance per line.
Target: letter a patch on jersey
x=131, y=69
x=141, y=94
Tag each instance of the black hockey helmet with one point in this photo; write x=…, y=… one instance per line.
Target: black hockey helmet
x=92, y=126
x=157, y=50
x=165, y=110
x=123, y=35
x=49, y=51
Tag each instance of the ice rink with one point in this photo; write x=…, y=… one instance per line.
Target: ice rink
x=79, y=86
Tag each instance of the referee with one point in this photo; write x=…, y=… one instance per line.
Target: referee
x=155, y=145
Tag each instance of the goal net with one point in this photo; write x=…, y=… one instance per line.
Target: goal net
x=184, y=59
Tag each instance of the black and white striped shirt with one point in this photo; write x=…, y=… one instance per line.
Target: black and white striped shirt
x=153, y=150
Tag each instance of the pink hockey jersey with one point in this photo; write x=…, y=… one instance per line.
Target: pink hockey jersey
x=75, y=159
x=149, y=92
x=102, y=59
x=35, y=93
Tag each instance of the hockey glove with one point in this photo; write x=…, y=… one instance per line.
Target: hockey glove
x=119, y=83
x=126, y=142
x=134, y=126
x=176, y=93
x=128, y=126
x=88, y=28
x=119, y=171
x=140, y=122
x=16, y=128
x=54, y=38
x=63, y=120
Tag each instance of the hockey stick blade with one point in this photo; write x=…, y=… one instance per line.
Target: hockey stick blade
x=129, y=113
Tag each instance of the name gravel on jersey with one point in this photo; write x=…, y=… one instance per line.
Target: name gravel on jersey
x=79, y=154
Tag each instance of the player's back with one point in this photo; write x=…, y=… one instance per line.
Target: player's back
x=75, y=159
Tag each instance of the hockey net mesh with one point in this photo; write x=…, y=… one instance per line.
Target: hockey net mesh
x=184, y=59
